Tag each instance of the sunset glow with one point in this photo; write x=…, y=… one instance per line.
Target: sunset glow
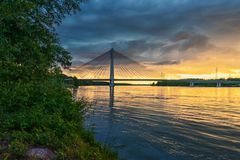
x=200, y=39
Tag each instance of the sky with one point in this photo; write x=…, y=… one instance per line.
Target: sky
x=177, y=38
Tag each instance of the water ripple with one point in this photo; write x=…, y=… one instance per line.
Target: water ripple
x=167, y=122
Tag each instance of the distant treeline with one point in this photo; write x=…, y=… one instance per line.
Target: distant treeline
x=220, y=79
x=199, y=82
x=75, y=82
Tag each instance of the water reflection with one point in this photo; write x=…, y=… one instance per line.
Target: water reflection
x=111, y=96
x=111, y=116
x=166, y=123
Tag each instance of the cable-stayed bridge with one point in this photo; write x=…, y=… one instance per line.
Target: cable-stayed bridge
x=113, y=66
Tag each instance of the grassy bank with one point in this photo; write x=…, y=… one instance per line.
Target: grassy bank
x=44, y=114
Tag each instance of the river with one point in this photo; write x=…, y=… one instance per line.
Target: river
x=166, y=123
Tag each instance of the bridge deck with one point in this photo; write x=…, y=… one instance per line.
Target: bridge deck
x=121, y=79
x=188, y=81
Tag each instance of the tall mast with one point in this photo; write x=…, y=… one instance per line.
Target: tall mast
x=112, y=67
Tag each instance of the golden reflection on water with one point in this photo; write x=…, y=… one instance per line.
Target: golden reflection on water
x=217, y=105
x=207, y=120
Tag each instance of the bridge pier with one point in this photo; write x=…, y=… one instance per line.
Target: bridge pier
x=191, y=84
x=219, y=84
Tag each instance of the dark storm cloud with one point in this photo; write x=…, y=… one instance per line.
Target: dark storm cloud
x=138, y=48
x=169, y=30
x=181, y=36
x=171, y=62
x=184, y=41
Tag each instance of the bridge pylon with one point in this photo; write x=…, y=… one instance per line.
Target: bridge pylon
x=112, y=67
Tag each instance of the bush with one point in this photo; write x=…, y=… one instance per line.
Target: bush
x=45, y=114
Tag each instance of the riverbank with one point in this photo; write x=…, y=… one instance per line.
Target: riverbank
x=44, y=116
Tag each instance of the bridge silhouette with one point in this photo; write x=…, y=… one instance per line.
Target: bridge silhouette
x=113, y=66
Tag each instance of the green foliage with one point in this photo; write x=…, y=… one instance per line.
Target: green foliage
x=17, y=147
x=46, y=115
x=35, y=107
x=29, y=47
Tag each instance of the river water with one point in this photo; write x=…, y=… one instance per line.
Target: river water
x=166, y=123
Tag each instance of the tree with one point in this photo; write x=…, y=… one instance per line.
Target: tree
x=35, y=108
x=29, y=47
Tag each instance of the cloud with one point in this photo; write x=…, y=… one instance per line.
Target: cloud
x=171, y=62
x=137, y=49
x=158, y=31
x=184, y=40
x=181, y=36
